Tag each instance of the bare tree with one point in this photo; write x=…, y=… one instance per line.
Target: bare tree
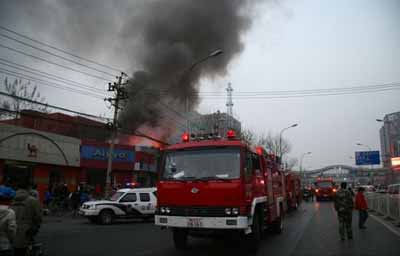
x=20, y=89
x=290, y=163
x=248, y=136
x=271, y=143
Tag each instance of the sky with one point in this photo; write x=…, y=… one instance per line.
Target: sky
x=290, y=45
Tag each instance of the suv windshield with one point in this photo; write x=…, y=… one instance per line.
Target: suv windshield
x=218, y=163
x=325, y=184
x=116, y=196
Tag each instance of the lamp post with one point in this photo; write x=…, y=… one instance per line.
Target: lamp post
x=187, y=72
x=301, y=163
x=280, y=139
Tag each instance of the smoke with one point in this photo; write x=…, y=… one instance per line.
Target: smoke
x=174, y=35
x=160, y=39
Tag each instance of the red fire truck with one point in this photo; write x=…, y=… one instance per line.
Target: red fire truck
x=293, y=190
x=219, y=185
x=325, y=188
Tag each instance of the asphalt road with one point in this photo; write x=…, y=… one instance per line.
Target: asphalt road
x=312, y=230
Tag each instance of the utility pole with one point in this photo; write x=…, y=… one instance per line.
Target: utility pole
x=120, y=94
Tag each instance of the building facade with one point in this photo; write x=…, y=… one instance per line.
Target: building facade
x=390, y=138
x=39, y=157
x=49, y=149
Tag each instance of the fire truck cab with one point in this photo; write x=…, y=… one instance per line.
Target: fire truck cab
x=213, y=186
x=325, y=189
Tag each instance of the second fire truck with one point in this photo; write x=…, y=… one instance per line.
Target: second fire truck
x=219, y=186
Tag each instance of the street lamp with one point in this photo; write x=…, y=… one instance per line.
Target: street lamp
x=187, y=71
x=301, y=162
x=360, y=144
x=280, y=139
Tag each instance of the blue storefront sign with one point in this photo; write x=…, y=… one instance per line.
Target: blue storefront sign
x=367, y=157
x=101, y=153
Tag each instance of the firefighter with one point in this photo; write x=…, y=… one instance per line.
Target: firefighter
x=344, y=209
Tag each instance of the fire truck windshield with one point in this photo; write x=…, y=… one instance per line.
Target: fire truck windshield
x=325, y=184
x=207, y=164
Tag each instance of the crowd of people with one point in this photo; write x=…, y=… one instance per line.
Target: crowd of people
x=59, y=198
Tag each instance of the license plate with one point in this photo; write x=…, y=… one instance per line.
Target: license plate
x=325, y=195
x=195, y=223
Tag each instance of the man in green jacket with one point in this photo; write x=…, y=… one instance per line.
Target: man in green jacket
x=344, y=209
x=29, y=218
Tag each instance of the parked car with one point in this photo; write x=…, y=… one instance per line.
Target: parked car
x=125, y=203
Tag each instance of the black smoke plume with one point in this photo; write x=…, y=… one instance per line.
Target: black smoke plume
x=174, y=35
x=160, y=39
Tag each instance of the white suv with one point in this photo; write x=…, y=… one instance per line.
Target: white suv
x=125, y=203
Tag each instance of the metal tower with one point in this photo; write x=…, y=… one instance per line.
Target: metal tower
x=229, y=102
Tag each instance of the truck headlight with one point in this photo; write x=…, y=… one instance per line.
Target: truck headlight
x=167, y=210
x=235, y=211
x=162, y=210
x=228, y=211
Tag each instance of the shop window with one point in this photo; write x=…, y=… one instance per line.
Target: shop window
x=144, y=197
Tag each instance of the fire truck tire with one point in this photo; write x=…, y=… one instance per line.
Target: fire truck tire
x=180, y=237
x=253, y=239
x=278, y=224
x=106, y=217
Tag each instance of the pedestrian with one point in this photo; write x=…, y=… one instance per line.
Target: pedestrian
x=75, y=202
x=344, y=209
x=362, y=207
x=8, y=226
x=33, y=191
x=28, y=217
x=351, y=191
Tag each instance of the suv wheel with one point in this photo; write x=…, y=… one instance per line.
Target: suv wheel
x=106, y=217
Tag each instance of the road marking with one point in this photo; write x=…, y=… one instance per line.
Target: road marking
x=394, y=231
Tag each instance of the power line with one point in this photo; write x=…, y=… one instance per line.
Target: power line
x=46, y=83
x=47, y=75
x=53, y=63
x=309, y=95
x=58, y=49
x=52, y=106
x=56, y=55
x=310, y=91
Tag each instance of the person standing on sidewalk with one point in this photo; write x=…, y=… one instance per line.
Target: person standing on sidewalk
x=362, y=207
x=8, y=226
x=28, y=216
x=344, y=208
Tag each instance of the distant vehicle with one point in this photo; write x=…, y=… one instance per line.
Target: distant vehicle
x=368, y=188
x=307, y=193
x=125, y=203
x=382, y=189
x=325, y=189
x=394, y=190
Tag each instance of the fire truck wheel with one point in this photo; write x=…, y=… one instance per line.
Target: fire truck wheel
x=253, y=239
x=278, y=225
x=180, y=237
x=106, y=217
